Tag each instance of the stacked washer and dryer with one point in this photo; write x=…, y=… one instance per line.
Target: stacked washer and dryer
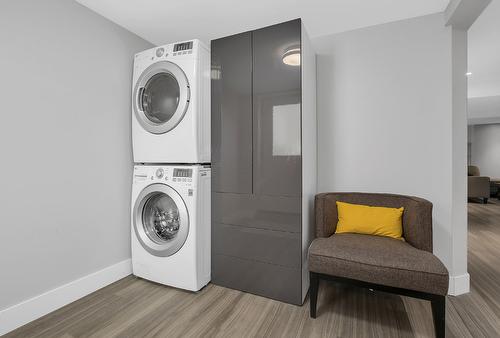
x=171, y=149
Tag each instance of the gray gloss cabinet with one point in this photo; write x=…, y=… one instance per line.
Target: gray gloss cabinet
x=232, y=115
x=261, y=201
x=276, y=94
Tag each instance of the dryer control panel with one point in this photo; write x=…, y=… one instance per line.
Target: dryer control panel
x=183, y=46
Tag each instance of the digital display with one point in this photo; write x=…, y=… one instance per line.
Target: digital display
x=183, y=46
x=183, y=172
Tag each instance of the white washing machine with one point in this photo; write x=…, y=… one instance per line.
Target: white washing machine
x=171, y=224
x=171, y=104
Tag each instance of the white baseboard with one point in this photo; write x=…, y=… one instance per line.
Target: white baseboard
x=459, y=285
x=36, y=307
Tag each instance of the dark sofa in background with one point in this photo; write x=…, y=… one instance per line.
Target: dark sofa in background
x=477, y=186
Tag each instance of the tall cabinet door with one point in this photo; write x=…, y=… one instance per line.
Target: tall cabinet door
x=276, y=111
x=256, y=163
x=232, y=114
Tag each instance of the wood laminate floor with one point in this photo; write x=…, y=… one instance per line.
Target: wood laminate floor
x=133, y=307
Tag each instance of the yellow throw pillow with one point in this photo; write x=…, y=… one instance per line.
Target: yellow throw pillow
x=364, y=219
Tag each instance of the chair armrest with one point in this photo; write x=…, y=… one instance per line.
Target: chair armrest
x=323, y=229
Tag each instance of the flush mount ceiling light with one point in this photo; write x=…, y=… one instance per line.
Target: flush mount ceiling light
x=292, y=57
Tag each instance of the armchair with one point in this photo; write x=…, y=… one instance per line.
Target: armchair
x=403, y=267
x=477, y=186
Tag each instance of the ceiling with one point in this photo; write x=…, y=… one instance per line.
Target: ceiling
x=484, y=53
x=164, y=21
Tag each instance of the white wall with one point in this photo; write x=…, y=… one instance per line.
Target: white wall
x=65, y=145
x=459, y=281
x=486, y=149
x=484, y=110
x=385, y=122
x=484, y=52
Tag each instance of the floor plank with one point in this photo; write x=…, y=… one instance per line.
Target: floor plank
x=133, y=307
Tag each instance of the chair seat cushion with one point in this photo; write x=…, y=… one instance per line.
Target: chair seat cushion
x=380, y=260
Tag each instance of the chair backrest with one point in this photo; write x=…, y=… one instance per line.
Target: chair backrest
x=472, y=170
x=417, y=215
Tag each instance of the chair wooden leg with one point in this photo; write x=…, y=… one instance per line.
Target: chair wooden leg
x=439, y=315
x=313, y=293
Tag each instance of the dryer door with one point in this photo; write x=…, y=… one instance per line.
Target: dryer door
x=161, y=220
x=161, y=97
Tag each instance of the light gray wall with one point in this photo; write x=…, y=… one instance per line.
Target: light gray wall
x=486, y=149
x=385, y=116
x=484, y=110
x=65, y=143
x=457, y=228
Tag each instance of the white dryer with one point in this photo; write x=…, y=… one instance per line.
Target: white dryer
x=171, y=104
x=171, y=224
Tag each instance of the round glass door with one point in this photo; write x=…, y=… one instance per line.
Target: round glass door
x=161, y=97
x=161, y=220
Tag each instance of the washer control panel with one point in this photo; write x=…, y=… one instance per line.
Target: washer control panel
x=182, y=175
x=177, y=175
x=183, y=172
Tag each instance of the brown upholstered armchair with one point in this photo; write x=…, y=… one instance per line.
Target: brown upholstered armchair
x=403, y=267
x=477, y=186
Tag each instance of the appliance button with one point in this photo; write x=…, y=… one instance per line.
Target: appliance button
x=159, y=52
x=159, y=172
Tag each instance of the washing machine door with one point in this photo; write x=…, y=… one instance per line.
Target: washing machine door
x=161, y=220
x=161, y=97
